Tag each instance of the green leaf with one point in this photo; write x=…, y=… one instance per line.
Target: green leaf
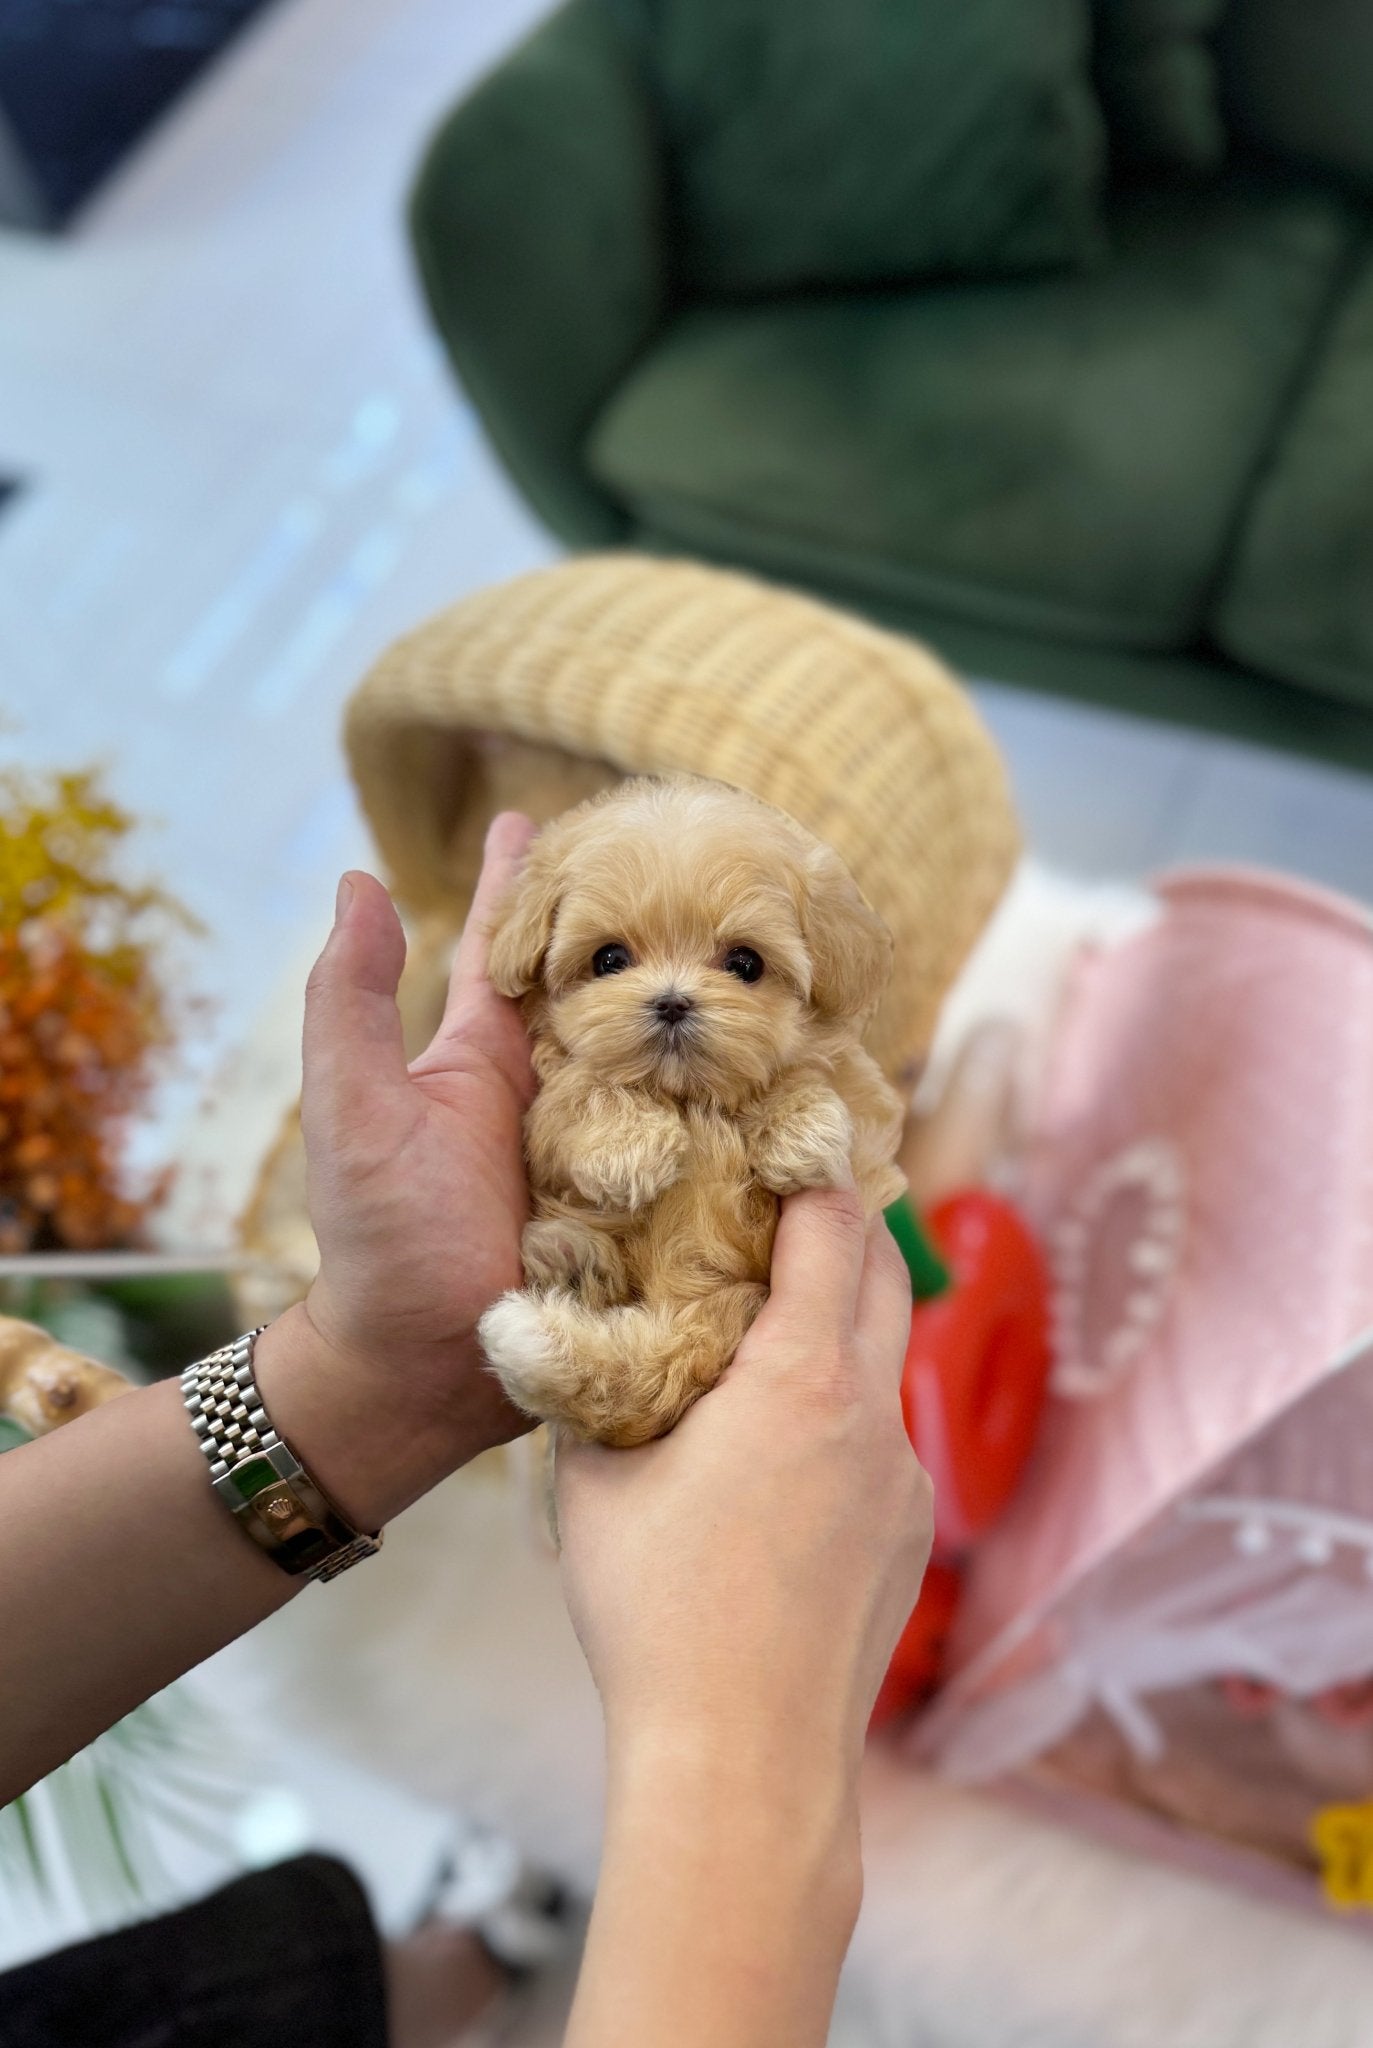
x=159, y=1765
x=16, y=1820
x=115, y=1822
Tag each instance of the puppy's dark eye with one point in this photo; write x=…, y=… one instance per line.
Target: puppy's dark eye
x=611, y=959
x=743, y=962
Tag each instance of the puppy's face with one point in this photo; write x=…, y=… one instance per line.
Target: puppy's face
x=686, y=938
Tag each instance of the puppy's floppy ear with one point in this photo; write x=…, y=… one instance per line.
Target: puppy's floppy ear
x=523, y=923
x=850, y=947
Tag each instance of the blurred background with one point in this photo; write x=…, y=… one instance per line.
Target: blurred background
x=1039, y=330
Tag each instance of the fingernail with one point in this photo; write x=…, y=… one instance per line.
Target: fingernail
x=343, y=899
x=503, y=826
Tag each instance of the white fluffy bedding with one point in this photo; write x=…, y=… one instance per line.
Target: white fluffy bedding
x=449, y=1664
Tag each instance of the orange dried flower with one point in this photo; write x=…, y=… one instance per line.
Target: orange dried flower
x=85, y=1024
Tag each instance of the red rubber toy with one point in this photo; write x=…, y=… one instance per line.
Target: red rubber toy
x=972, y=1392
x=977, y=1365
x=919, y=1656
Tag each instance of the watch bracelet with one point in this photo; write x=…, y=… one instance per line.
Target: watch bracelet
x=259, y=1477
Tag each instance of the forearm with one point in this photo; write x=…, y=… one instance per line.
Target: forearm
x=121, y=1570
x=727, y=1897
x=119, y=1567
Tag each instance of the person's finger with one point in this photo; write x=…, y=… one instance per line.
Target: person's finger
x=507, y=841
x=353, y=1042
x=883, y=1319
x=476, y=1017
x=817, y=1265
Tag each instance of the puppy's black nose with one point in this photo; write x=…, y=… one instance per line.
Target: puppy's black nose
x=671, y=1006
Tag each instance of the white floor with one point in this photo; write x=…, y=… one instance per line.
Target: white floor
x=248, y=469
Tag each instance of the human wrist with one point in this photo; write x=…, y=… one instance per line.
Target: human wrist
x=720, y=1851
x=759, y=1798
x=796, y=1740
x=333, y=1411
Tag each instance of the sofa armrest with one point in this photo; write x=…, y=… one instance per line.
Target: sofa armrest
x=537, y=219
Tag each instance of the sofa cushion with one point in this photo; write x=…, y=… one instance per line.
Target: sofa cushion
x=1066, y=455
x=1156, y=73
x=1298, y=601
x=1298, y=80
x=882, y=139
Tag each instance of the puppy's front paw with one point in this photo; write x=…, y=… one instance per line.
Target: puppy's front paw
x=561, y=1252
x=810, y=1149
x=632, y=1173
x=553, y=1252
x=527, y=1359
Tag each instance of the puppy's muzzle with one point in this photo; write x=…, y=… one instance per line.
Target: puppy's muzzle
x=672, y=1007
x=672, y=1022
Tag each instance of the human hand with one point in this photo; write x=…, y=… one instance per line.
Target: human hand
x=417, y=1196
x=738, y=1586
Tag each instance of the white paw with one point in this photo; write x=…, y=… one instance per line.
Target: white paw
x=812, y=1150
x=523, y=1351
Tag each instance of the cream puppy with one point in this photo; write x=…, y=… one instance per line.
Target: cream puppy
x=696, y=972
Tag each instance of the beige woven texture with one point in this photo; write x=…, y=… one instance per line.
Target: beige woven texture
x=541, y=690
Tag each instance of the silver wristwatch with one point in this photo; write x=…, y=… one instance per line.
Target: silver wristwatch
x=258, y=1477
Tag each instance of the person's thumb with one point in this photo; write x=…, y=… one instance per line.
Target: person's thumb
x=354, y=1048
x=817, y=1265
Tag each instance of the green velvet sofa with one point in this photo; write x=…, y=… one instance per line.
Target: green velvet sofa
x=1040, y=328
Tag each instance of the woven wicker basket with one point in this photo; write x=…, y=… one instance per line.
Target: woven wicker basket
x=541, y=691
x=630, y=665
